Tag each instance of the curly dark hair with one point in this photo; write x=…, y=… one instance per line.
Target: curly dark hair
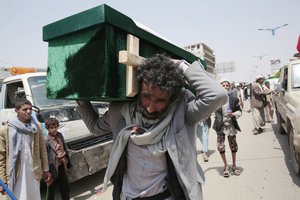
x=160, y=71
x=51, y=121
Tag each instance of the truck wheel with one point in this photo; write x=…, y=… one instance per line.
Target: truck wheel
x=279, y=123
x=295, y=156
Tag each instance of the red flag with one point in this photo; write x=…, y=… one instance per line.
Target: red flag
x=298, y=45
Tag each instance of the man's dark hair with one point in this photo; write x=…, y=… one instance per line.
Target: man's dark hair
x=160, y=71
x=20, y=102
x=51, y=121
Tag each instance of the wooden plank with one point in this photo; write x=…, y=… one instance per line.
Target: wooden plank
x=133, y=48
x=128, y=58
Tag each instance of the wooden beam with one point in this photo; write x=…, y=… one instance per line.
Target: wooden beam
x=128, y=58
x=131, y=59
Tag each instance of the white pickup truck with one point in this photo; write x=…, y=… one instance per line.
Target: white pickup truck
x=287, y=104
x=88, y=153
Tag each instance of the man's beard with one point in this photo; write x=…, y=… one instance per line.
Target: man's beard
x=151, y=118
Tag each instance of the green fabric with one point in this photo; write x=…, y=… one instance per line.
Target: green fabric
x=83, y=54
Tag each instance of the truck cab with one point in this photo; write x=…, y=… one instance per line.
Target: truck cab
x=88, y=153
x=287, y=104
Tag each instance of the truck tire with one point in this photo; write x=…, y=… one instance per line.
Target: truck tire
x=295, y=156
x=279, y=123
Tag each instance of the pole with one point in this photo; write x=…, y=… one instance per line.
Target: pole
x=7, y=190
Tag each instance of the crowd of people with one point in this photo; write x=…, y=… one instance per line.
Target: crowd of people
x=257, y=97
x=154, y=152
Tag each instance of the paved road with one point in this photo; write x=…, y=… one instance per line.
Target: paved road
x=263, y=159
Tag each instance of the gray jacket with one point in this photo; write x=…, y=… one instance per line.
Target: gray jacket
x=257, y=96
x=180, y=142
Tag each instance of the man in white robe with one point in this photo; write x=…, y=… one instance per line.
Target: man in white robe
x=26, y=163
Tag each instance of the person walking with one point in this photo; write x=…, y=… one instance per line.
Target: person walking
x=257, y=103
x=240, y=94
x=59, y=161
x=247, y=97
x=226, y=124
x=23, y=154
x=154, y=152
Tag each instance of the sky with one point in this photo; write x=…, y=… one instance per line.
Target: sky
x=229, y=28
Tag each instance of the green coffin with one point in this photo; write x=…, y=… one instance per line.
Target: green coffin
x=83, y=52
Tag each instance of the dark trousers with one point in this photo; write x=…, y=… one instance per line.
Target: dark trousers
x=62, y=182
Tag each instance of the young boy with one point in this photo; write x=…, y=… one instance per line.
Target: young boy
x=225, y=124
x=58, y=158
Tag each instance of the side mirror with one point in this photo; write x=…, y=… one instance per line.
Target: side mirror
x=38, y=113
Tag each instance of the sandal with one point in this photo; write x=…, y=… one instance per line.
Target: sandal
x=226, y=173
x=236, y=171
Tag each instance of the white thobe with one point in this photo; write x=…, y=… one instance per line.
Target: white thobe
x=27, y=187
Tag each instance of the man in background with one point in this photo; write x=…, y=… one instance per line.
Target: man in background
x=257, y=102
x=154, y=153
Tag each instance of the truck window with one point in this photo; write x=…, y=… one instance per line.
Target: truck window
x=296, y=76
x=14, y=91
x=39, y=93
x=285, y=79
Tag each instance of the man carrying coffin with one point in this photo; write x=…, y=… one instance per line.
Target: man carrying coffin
x=154, y=153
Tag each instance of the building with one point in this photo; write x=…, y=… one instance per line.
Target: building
x=204, y=52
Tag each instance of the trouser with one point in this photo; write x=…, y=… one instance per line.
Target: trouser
x=203, y=132
x=247, y=105
x=221, y=142
x=258, y=117
x=62, y=182
x=269, y=110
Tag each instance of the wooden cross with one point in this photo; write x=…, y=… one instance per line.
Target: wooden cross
x=131, y=59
